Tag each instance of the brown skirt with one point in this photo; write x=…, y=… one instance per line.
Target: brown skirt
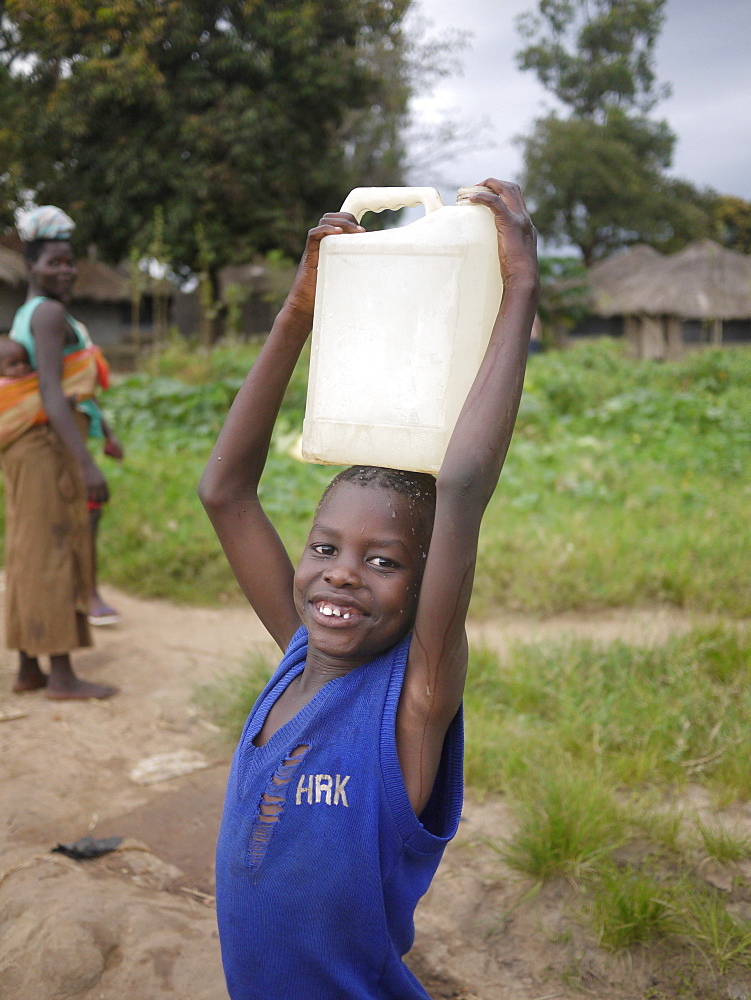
x=47, y=546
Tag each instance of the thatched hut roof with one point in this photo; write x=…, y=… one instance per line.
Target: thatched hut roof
x=12, y=268
x=704, y=281
x=98, y=282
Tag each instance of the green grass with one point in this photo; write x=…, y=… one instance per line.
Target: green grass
x=229, y=698
x=627, y=483
x=666, y=713
x=567, y=823
x=628, y=907
x=702, y=918
x=610, y=716
x=662, y=827
x=722, y=844
x=590, y=743
x=593, y=746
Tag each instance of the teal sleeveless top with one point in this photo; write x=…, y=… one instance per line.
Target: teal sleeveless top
x=20, y=331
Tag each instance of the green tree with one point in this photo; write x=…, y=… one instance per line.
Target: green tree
x=598, y=178
x=243, y=118
x=9, y=100
x=595, y=55
x=563, y=294
x=733, y=222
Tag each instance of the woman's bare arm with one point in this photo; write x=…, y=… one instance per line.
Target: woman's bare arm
x=50, y=329
x=437, y=664
x=229, y=485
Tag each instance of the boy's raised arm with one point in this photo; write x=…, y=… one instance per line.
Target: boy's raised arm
x=480, y=441
x=436, y=670
x=229, y=485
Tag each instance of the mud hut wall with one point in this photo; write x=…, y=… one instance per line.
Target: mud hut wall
x=11, y=299
x=736, y=331
x=654, y=338
x=186, y=313
x=257, y=316
x=597, y=326
x=108, y=323
x=632, y=335
x=675, y=346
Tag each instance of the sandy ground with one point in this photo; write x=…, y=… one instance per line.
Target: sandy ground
x=139, y=922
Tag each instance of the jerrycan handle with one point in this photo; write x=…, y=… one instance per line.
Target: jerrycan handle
x=377, y=199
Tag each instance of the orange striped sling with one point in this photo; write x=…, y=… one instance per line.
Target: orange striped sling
x=85, y=372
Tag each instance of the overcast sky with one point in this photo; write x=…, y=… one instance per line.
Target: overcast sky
x=703, y=52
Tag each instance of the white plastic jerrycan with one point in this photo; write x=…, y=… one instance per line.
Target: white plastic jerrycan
x=402, y=319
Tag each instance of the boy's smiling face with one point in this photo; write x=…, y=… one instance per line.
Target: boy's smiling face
x=358, y=580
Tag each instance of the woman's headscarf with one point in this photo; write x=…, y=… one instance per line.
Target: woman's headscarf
x=45, y=223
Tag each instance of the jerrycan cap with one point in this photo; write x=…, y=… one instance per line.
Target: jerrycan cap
x=462, y=195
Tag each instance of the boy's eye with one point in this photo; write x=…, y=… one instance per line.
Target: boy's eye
x=381, y=562
x=323, y=549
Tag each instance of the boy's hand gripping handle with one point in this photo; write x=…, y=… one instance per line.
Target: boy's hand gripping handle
x=378, y=199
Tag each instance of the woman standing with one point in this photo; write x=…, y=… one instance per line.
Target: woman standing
x=49, y=477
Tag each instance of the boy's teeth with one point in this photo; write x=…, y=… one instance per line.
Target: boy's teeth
x=329, y=611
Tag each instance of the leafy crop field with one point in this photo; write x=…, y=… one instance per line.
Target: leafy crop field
x=626, y=483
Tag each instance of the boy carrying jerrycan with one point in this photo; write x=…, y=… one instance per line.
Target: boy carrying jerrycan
x=347, y=782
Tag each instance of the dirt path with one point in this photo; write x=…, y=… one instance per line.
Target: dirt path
x=139, y=922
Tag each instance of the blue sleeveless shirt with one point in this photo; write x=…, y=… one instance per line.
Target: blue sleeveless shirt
x=321, y=860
